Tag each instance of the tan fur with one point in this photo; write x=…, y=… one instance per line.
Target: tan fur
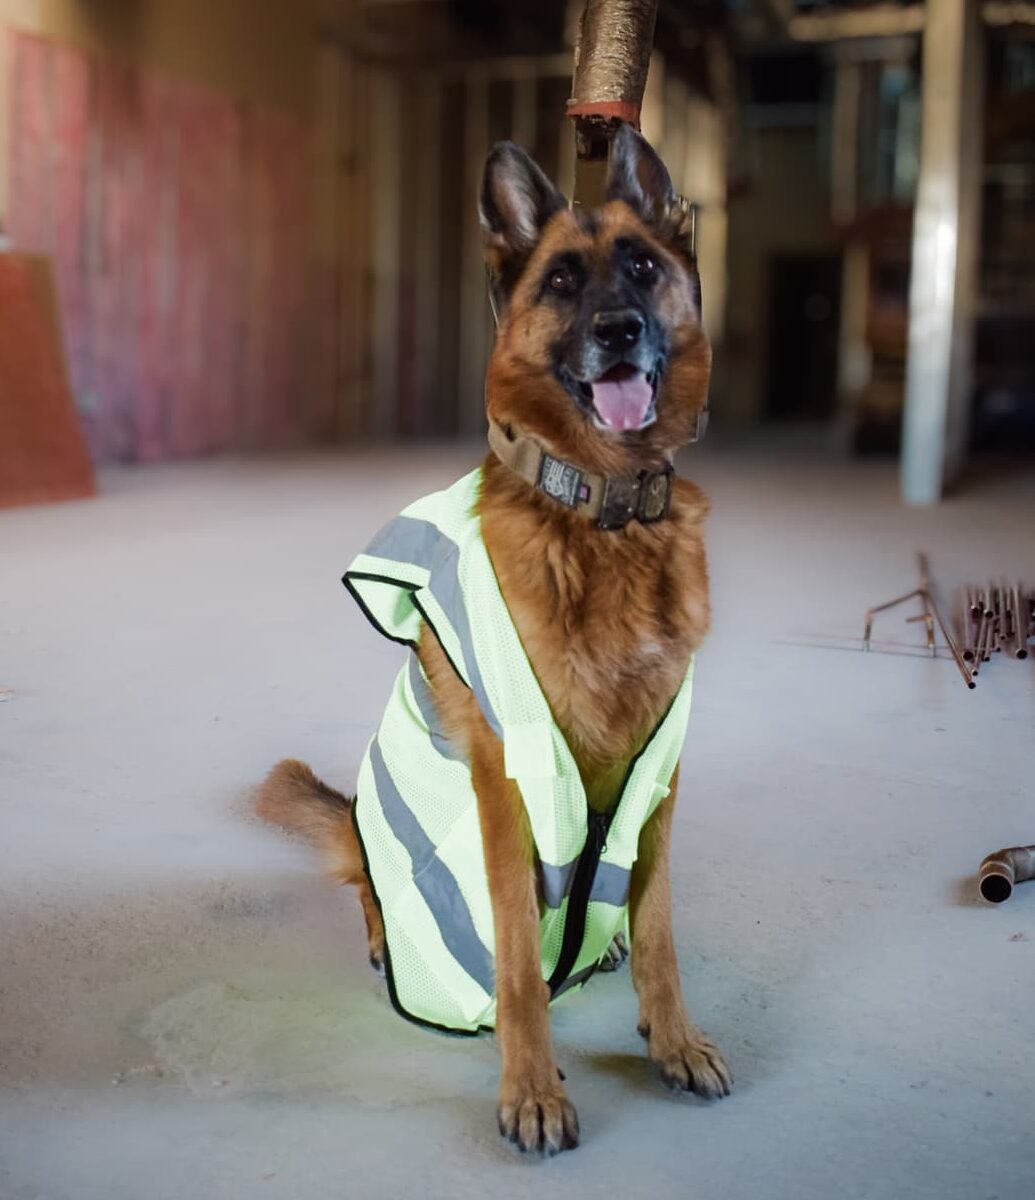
x=292, y=797
x=609, y=622
x=689, y=1061
x=523, y=392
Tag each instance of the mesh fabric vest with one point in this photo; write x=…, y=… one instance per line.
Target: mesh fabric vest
x=416, y=812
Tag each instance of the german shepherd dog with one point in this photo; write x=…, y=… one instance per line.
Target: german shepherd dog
x=600, y=358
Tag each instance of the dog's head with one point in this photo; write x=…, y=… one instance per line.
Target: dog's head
x=600, y=353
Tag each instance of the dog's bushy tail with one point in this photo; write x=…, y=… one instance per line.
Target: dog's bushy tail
x=292, y=797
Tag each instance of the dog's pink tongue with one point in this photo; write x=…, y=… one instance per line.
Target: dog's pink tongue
x=622, y=398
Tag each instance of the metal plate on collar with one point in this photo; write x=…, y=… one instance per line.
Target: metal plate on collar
x=645, y=498
x=618, y=505
x=560, y=480
x=655, y=493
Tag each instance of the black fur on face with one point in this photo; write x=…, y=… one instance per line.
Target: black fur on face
x=606, y=301
x=606, y=316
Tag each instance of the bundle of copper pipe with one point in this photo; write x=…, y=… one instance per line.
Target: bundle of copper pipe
x=929, y=615
x=998, y=617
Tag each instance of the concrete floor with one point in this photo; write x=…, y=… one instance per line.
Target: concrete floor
x=186, y=1009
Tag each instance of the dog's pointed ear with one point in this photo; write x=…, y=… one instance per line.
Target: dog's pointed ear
x=637, y=175
x=515, y=203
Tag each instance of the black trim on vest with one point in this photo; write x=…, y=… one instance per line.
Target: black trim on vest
x=597, y=826
x=393, y=995
x=585, y=868
x=413, y=589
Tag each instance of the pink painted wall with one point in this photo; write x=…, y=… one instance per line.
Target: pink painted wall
x=179, y=222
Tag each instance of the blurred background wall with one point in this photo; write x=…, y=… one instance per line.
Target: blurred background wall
x=161, y=153
x=262, y=224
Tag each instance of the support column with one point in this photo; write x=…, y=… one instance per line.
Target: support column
x=939, y=366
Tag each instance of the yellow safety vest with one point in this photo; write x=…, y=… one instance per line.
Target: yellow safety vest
x=416, y=813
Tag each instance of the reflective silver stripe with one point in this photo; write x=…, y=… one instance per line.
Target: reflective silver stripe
x=434, y=880
x=610, y=884
x=409, y=540
x=556, y=882
x=426, y=705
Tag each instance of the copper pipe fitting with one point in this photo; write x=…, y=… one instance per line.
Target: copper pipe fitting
x=1001, y=870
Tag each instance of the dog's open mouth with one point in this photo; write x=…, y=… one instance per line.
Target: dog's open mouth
x=622, y=399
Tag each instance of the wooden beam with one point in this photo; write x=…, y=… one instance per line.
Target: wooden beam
x=894, y=20
x=883, y=20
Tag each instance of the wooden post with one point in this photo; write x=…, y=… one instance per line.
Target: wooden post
x=386, y=181
x=426, y=252
x=475, y=328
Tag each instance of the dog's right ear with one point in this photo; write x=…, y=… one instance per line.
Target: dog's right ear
x=516, y=201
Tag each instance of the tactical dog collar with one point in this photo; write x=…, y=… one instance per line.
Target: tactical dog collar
x=611, y=502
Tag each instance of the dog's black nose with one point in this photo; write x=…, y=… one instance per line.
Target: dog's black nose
x=618, y=328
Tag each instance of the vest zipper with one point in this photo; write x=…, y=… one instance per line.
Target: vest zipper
x=578, y=898
x=598, y=823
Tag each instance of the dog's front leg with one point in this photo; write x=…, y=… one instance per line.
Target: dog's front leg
x=688, y=1060
x=534, y=1110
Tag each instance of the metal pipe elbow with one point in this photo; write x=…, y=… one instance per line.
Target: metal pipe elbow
x=1002, y=869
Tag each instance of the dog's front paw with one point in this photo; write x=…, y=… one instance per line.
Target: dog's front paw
x=689, y=1062
x=537, y=1116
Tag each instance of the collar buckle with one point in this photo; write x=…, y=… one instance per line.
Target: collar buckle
x=646, y=498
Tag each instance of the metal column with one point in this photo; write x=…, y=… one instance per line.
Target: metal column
x=945, y=236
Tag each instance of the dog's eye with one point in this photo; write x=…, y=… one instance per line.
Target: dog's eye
x=644, y=267
x=563, y=281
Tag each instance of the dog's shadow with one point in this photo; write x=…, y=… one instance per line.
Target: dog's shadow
x=746, y=1019
x=637, y=1074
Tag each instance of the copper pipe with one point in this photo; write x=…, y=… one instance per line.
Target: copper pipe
x=967, y=626
x=989, y=634
x=1020, y=632
x=964, y=670
x=871, y=612
x=979, y=643
x=925, y=616
x=1009, y=620
x=929, y=615
x=1001, y=870
x=612, y=54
